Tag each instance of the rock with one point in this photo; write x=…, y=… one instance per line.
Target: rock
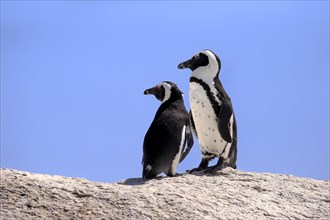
x=229, y=194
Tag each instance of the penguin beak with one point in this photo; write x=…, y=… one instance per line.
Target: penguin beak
x=150, y=91
x=185, y=64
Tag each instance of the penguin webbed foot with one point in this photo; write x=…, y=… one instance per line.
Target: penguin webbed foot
x=202, y=166
x=214, y=169
x=208, y=170
x=219, y=166
x=174, y=175
x=197, y=169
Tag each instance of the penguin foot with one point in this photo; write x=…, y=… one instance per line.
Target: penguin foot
x=197, y=169
x=202, y=166
x=175, y=175
x=215, y=168
x=212, y=170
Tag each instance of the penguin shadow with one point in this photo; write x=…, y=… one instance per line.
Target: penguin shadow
x=138, y=181
x=223, y=172
x=199, y=173
x=133, y=181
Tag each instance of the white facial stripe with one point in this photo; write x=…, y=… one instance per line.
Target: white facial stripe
x=207, y=73
x=213, y=63
x=167, y=88
x=209, y=54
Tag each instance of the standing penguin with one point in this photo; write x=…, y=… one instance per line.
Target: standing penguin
x=168, y=134
x=212, y=116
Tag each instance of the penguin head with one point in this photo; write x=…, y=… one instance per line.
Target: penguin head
x=204, y=62
x=165, y=91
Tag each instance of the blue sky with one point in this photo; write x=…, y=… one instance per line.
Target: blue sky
x=73, y=76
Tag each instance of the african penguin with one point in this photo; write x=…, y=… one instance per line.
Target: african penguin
x=212, y=116
x=168, y=134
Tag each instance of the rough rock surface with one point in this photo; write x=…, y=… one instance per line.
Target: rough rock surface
x=229, y=194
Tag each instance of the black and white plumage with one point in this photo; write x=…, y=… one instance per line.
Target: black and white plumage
x=168, y=134
x=212, y=115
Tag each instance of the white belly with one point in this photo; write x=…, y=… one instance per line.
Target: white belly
x=208, y=134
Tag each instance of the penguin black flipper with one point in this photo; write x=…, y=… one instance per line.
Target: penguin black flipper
x=226, y=111
x=189, y=142
x=224, y=124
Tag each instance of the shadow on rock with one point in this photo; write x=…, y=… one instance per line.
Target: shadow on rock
x=224, y=172
x=140, y=181
x=133, y=181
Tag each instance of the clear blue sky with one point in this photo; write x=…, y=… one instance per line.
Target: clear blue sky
x=73, y=76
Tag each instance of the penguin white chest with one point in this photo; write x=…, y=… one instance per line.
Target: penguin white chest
x=205, y=120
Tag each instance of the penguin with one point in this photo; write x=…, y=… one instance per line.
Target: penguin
x=169, y=133
x=212, y=115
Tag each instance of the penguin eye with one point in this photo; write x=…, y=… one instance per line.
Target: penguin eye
x=158, y=87
x=196, y=57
